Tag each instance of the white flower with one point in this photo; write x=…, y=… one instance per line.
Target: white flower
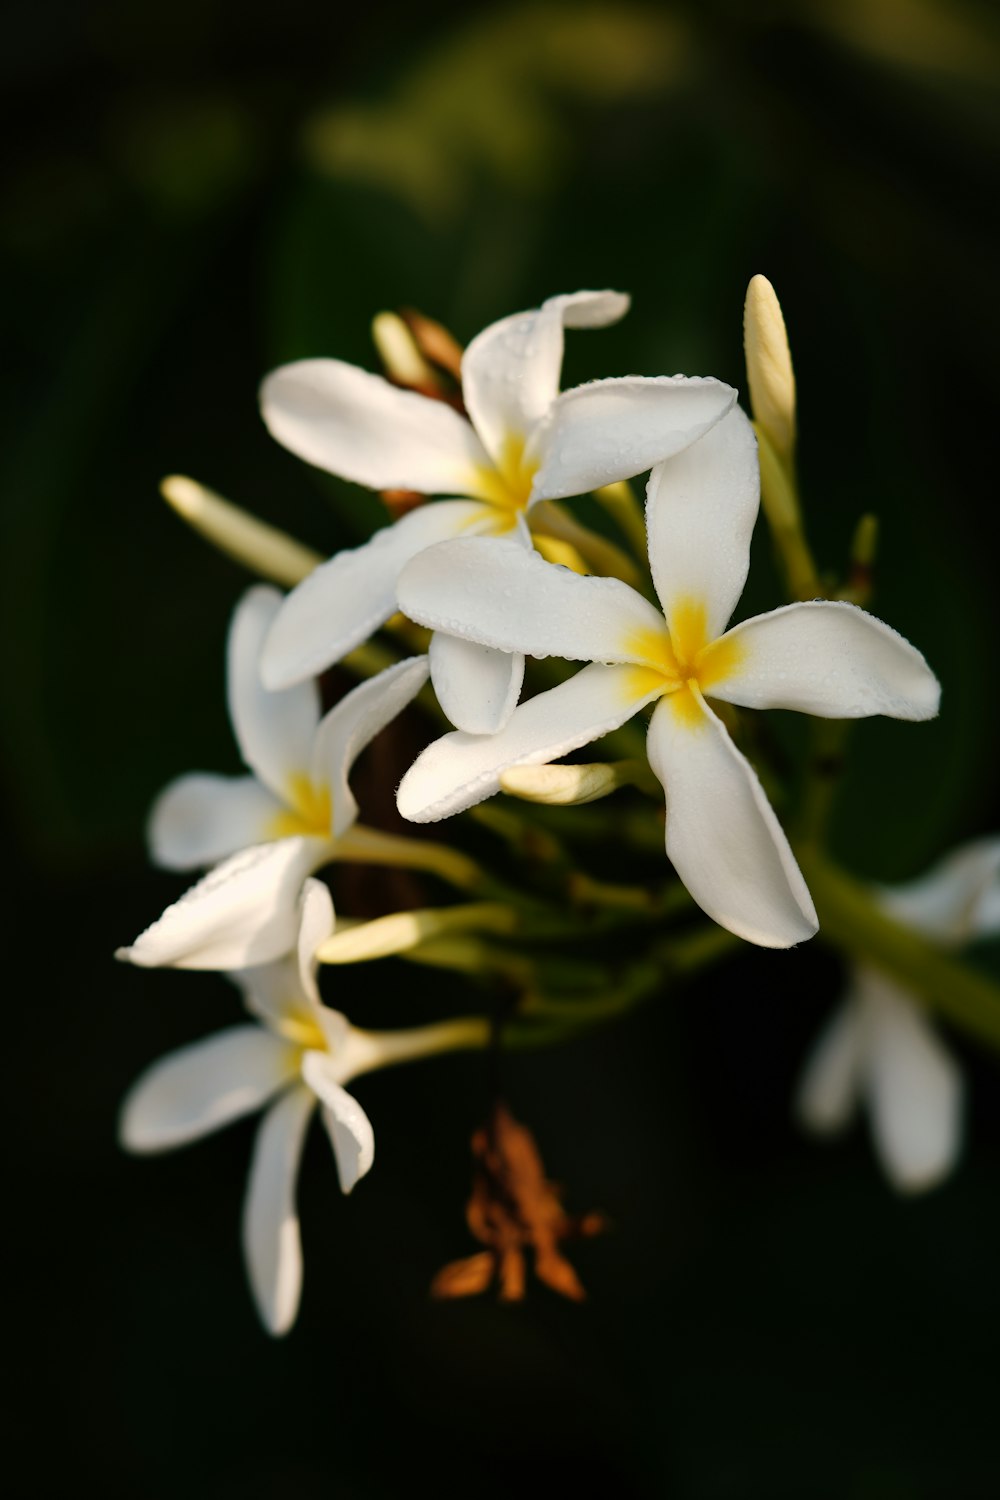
x=881, y=1050
x=830, y=659
x=271, y=828
x=300, y=1056
x=523, y=442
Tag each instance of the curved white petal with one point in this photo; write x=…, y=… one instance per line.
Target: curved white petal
x=701, y=506
x=201, y=818
x=317, y=923
x=826, y=658
x=243, y=912
x=346, y=599
x=498, y=594
x=476, y=686
x=831, y=1080
x=957, y=900
x=200, y=1088
x=359, y=426
x=272, y=1246
x=614, y=429
x=723, y=838
x=915, y=1090
x=347, y=1125
x=274, y=730
x=460, y=769
x=510, y=371
x=285, y=991
x=356, y=719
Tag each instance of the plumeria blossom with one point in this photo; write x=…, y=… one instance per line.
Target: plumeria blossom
x=830, y=659
x=523, y=442
x=880, y=1049
x=295, y=1055
x=272, y=827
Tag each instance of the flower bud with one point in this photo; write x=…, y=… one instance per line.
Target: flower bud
x=769, y=365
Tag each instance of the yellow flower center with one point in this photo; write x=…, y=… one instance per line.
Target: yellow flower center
x=309, y=811
x=684, y=657
x=507, y=484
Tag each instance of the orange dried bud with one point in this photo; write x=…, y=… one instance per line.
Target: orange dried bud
x=434, y=341
x=401, y=502
x=512, y=1209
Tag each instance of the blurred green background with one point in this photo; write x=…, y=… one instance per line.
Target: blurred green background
x=198, y=191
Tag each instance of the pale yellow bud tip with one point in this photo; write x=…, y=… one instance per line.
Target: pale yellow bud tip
x=561, y=786
x=186, y=496
x=399, y=353
x=769, y=365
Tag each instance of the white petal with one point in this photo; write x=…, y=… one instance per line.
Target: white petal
x=317, y=923
x=498, y=594
x=614, y=429
x=272, y=1245
x=957, y=900
x=359, y=426
x=346, y=599
x=700, y=511
x=355, y=720
x=274, y=730
x=282, y=990
x=477, y=687
x=348, y=1127
x=243, y=912
x=199, y=819
x=510, y=371
x=828, y=1089
x=915, y=1088
x=461, y=769
x=830, y=659
x=722, y=836
x=200, y=1088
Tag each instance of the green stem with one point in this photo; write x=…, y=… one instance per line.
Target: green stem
x=780, y=501
x=851, y=920
x=620, y=503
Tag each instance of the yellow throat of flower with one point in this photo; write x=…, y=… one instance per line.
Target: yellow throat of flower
x=507, y=484
x=685, y=658
x=309, y=810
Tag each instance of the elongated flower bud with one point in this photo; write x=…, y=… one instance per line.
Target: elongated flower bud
x=769, y=365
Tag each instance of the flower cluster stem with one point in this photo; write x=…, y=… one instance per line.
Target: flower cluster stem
x=850, y=919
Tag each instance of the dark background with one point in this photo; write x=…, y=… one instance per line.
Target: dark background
x=199, y=191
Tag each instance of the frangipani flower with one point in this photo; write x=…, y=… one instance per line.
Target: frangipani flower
x=297, y=1054
x=881, y=1050
x=272, y=827
x=829, y=659
x=522, y=442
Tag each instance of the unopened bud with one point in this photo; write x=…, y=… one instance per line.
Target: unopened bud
x=399, y=353
x=263, y=549
x=567, y=786
x=403, y=930
x=769, y=365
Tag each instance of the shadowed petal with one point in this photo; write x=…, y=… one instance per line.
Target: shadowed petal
x=200, y=819
x=723, y=838
x=198, y=1089
x=476, y=686
x=915, y=1090
x=272, y=1246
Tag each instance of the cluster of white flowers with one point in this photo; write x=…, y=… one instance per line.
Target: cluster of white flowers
x=469, y=566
